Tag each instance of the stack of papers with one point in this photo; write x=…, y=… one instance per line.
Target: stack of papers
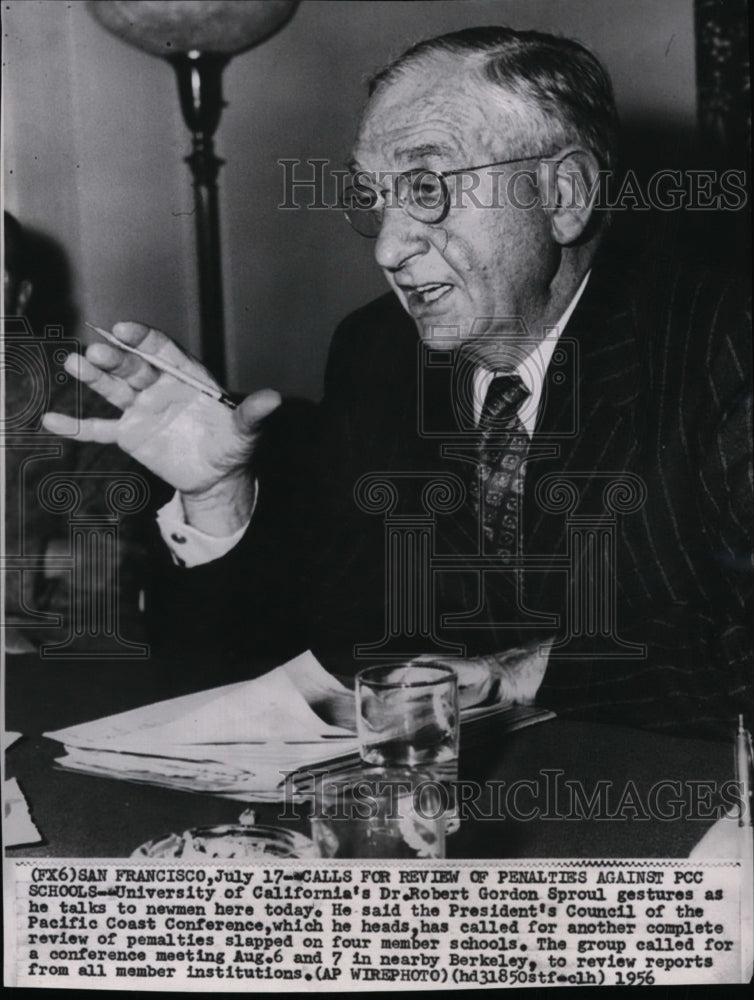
x=239, y=741
x=243, y=741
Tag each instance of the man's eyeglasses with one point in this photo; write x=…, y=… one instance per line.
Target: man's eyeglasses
x=422, y=193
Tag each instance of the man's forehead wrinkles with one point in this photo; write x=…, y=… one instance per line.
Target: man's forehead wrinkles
x=409, y=142
x=425, y=149
x=449, y=122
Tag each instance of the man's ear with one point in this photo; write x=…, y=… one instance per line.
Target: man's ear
x=570, y=186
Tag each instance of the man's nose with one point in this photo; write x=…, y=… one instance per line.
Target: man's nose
x=399, y=239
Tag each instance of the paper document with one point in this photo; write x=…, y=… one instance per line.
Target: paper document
x=241, y=741
x=18, y=827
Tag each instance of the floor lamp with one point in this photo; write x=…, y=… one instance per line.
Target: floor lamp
x=198, y=38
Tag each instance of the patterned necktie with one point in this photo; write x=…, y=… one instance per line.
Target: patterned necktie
x=503, y=443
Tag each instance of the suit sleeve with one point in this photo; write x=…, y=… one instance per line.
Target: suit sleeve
x=698, y=673
x=253, y=604
x=704, y=682
x=245, y=605
x=726, y=485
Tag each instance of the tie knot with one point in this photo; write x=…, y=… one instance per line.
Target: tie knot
x=504, y=397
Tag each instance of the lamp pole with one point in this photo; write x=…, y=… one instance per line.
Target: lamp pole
x=199, y=38
x=200, y=91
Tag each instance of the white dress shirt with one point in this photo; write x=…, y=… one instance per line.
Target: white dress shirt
x=531, y=370
x=190, y=547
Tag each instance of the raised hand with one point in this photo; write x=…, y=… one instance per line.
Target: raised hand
x=194, y=443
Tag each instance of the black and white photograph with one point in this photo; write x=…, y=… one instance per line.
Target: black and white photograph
x=378, y=494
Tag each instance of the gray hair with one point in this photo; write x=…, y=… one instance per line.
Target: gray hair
x=562, y=85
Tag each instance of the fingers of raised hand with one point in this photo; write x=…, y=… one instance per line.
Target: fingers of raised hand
x=154, y=342
x=113, y=389
x=132, y=370
x=91, y=429
x=256, y=407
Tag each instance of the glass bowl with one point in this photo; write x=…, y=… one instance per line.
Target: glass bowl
x=231, y=842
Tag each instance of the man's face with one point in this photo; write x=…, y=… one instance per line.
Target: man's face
x=483, y=261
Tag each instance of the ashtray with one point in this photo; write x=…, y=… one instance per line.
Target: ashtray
x=232, y=842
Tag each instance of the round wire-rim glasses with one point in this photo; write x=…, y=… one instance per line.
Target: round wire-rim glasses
x=421, y=192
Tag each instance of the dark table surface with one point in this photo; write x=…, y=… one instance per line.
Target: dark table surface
x=83, y=816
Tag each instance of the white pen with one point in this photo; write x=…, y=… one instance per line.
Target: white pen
x=164, y=366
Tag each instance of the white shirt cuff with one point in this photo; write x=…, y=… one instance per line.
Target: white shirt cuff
x=189, y=547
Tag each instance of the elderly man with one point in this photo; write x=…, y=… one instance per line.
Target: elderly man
x=583, y=429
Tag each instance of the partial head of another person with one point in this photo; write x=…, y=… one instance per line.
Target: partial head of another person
x=17, y=283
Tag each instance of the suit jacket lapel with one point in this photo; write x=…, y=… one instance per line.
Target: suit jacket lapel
x=586, y=424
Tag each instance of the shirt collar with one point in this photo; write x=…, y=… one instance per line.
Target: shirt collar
x=531, y=370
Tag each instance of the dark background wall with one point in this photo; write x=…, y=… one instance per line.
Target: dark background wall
x=94, y=148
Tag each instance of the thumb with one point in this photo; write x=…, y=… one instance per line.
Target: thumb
x=255, y=408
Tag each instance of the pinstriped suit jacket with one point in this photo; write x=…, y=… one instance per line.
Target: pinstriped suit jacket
x=665, y=395
x=636, y=516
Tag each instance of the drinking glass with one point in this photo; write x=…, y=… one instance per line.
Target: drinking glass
x=378, y=812
x=407, y=716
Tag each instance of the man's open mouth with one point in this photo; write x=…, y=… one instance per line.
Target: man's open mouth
x=420, y=295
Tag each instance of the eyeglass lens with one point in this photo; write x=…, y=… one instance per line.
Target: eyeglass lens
x=422, y=193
